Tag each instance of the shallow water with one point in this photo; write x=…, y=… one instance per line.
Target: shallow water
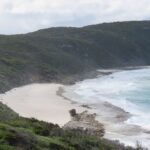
x=129, y=90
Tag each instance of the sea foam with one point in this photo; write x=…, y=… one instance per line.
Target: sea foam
x=129, y=90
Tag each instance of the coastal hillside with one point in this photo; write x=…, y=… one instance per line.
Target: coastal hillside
x=18, y=133
x=55, y=54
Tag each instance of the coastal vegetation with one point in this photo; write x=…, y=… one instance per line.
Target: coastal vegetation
x=31, y=134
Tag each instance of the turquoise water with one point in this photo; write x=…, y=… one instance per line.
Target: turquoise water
x=129, y=90
x=141, y=98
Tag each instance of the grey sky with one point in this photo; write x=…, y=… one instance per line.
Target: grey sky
x=21, y=16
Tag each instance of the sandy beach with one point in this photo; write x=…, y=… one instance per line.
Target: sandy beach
x=40, y=101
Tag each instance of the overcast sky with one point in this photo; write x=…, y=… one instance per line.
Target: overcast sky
x=21, y=16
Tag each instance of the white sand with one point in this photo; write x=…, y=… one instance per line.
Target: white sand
x=40, y=101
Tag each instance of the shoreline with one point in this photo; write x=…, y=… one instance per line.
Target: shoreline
x=121, y=114
x=116, y=115
x=73, y=79
x=61, y=117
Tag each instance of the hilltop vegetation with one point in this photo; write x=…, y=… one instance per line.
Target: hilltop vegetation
x=57, y=53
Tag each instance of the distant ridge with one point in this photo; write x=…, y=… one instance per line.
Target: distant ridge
x=56, y=53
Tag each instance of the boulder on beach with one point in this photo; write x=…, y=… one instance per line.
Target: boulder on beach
x=85, y=122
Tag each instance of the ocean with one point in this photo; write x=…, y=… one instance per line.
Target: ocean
x=128, y=90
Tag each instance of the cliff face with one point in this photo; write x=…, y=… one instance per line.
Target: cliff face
x=86, y=123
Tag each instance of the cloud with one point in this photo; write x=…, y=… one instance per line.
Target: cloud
x=21, y=16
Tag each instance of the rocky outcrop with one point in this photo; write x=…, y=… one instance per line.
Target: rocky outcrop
x=85, y=122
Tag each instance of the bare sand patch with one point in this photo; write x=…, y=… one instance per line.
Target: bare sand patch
x=40, y=101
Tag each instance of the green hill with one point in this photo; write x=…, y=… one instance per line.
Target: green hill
x=56, y=53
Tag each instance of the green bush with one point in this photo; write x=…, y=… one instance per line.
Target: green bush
x=6, y=147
